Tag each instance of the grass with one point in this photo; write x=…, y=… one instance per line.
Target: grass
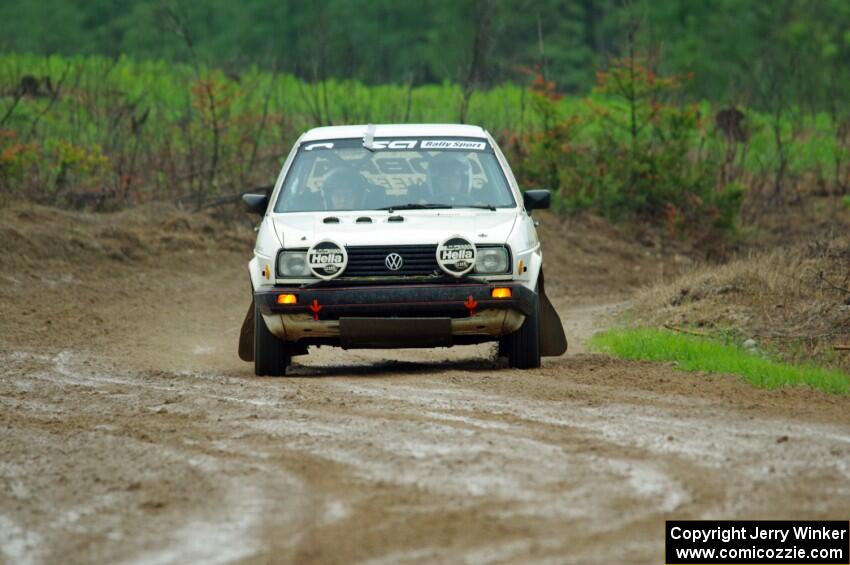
x=777, y=296
x=102, y=133
x=169, y=93
x=693, y=353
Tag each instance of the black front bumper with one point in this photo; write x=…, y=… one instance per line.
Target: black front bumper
x=453, y=300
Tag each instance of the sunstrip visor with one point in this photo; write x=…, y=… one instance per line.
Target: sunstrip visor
x=459, y=144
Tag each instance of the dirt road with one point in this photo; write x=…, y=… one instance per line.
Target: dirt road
x=132, y=433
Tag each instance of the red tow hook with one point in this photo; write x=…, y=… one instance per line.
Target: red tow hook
x=470, y=305
x=315, y=307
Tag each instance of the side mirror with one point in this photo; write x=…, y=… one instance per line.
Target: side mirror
x=256, y=203
x=538, y=199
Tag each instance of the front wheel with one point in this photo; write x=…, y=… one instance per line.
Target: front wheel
x=271, y=355
x=522, y=348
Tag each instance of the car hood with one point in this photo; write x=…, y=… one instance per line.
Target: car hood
x=303, y=229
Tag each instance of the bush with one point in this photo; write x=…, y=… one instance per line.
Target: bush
x=630, y=154
x=150, y=130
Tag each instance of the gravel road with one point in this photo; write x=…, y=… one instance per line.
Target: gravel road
x=132, y=433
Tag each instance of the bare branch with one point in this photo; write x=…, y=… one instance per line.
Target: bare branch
x=54, y=96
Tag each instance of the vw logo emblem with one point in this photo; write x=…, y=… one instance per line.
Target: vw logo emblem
x=393, y=261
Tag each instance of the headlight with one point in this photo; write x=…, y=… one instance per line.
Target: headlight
x=293, y=265
x=491, y=260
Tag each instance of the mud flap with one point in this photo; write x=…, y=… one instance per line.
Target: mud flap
x=553, y=341
x=246, y=336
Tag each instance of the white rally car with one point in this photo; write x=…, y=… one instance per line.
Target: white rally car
x=395, y=236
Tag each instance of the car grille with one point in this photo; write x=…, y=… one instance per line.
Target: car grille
x=369, y=261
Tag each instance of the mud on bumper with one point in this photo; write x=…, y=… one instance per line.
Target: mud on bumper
x=395, y=316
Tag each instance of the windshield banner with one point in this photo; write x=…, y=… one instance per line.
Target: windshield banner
x=397, y=144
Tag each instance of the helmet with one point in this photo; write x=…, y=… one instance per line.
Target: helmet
x=340, y=189
x=448, y=174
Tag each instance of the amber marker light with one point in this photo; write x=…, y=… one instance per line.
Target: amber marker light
x=287, y=299
x=501, y=293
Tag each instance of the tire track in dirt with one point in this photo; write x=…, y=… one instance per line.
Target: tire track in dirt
x=132, y=433
x=447, y=456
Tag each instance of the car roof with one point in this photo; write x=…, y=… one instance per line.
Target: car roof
x=395, y=130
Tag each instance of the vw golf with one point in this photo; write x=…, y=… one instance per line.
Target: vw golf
x=395, y=236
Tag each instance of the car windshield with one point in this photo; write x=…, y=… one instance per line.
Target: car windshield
x=394, y=174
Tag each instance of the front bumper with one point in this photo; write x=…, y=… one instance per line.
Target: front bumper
x=467, y=311
x=414, y=300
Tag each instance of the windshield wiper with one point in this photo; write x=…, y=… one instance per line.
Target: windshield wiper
x=415, y=206
x=433, y=206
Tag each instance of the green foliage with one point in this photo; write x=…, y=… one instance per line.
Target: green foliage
x=377, y=41
x=732, y=46
x=630, y=153
x=159, y=130
x=692, y=353
x=153, y=129
x=15, y=159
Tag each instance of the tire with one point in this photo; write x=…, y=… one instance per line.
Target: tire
x=271, y=355
x=522, y=348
